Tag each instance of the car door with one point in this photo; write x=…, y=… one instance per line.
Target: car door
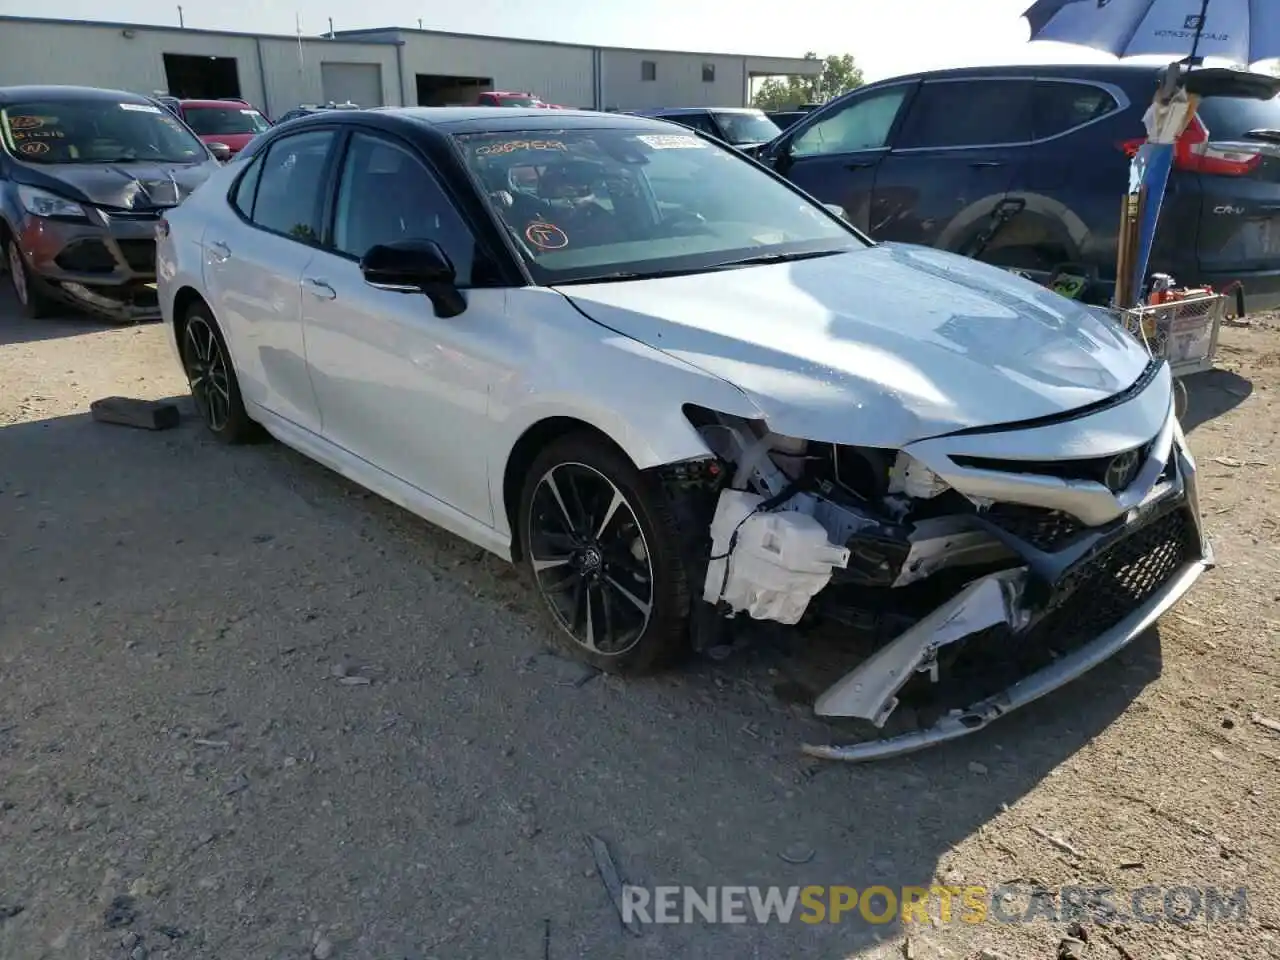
x=398, y=386
x=834, y=153
x=253, y=265
x=961, y=146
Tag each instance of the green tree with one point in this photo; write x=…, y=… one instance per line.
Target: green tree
x=839, y=74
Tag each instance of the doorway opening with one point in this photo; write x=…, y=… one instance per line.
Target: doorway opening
x=436, y=90
x=201, y=78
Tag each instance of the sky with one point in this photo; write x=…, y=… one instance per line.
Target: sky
x=886, y=37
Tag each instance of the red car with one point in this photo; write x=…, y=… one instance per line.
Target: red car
x=233, y=122
x=506, y=98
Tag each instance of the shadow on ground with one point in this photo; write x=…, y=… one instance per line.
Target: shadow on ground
x=1212, y=394
x=178, y=622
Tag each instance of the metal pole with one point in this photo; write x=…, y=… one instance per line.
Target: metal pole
x=331, y=28
x=181, y=22
x=1195, y=43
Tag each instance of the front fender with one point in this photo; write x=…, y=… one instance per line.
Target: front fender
x=627, y=390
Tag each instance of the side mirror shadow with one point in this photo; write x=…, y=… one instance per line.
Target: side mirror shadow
x=837, y=210
x=221, y=152
x=415, y=266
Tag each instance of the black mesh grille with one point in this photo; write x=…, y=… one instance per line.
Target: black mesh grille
x=1047, y=530
x=139, y=254
x=1085, y=604
x=86, y=256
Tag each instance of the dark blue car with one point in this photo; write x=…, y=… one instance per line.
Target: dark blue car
x=1025, y=167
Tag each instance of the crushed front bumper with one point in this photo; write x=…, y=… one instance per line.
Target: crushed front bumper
x=1151, y=556
x=105, y=264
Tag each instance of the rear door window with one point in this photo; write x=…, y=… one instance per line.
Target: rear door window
x=1061, y=106
x=968, y=113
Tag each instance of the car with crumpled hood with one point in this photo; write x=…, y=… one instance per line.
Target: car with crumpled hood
x=685, y=396
x=85, y=175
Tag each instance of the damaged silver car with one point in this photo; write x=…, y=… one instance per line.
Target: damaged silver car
x=685, y=396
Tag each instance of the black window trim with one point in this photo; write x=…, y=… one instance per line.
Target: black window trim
x=334, y=182
x=1118, y=95
x=648, y=67
x=261, y=155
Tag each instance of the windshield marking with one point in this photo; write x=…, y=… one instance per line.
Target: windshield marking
x=546, y=236
x=34, y=147
x=513, y=146
x=139, y=107
x=672, y=142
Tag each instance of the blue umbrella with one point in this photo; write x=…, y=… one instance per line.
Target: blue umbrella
x=1242, y=31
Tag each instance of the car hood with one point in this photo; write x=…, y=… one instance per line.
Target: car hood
x=878, y=347
x=124, y=186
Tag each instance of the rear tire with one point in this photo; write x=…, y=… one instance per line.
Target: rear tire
x=212, y=378
x=602, y=551
x=33, y=299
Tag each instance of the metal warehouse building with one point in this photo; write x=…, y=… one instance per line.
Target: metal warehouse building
x=382, y=67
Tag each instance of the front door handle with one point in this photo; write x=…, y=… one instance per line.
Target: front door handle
x=859, y=164
x=320, y=289
x=220, y=249
x=984, y=164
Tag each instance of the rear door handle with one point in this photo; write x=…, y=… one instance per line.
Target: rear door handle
x=320, y=289
x=222, y=251
x=987, y=163
x=859, y=164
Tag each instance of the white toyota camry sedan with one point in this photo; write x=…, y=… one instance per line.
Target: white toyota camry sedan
x=683, y=395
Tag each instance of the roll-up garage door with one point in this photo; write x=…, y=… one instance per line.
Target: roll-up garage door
x=358, y=83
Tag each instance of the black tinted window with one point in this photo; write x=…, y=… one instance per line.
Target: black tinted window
x=1062, y=106
x=696, y=121
x=1230, y=118
x=386, y=194
x=969, y=113
x=291, y=185
x=242, y=194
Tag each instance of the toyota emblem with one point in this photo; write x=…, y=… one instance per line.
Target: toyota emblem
x=1122, y=470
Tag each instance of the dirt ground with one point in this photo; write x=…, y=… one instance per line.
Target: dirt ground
x=192, y=766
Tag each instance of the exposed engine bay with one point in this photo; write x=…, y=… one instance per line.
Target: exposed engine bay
x=970, y=604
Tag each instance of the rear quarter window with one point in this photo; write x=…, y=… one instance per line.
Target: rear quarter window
x=1061, y=106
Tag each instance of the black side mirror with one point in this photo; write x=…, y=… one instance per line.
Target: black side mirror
x=415, y=266
x=221, y=152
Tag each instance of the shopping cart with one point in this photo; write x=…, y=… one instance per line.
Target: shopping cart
x=1182, y=331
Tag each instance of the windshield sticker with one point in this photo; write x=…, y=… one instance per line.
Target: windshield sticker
x=33, y=148
x=140, y=108
x=514, y=146
x=250, y=113
x=546, y=236
x=25, y=123
x=672, y=142
x=38, y=135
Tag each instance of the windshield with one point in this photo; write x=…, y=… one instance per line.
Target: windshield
x=96, y=131
x=224, y=121
x=622, y=203
x=507, y=101
x=747, y=127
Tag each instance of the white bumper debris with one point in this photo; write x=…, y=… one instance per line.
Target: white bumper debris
x=769, y=565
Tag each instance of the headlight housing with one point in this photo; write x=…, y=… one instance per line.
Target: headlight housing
x=912, y=478
x=42, y=203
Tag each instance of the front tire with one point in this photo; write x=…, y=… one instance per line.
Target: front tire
x=601, y=549
x=33, y=300
x=212, y=378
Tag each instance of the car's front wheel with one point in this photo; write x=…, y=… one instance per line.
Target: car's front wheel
x=33, y=300
x=602, y=550
x=212, y=378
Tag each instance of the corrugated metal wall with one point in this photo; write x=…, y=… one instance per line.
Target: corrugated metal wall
x=272, y=76
x=558, y=74
x=290, y=83
x=678, y=80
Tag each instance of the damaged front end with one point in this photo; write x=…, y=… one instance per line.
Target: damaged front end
x=980, y=570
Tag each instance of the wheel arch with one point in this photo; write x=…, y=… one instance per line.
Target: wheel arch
x=534, y=439
x=184, y=299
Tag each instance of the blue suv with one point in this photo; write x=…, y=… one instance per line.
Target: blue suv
x=1025, y=167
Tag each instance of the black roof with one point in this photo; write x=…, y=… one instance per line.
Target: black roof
x=62, y=92
x=678, y=111
x=1081, y=70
